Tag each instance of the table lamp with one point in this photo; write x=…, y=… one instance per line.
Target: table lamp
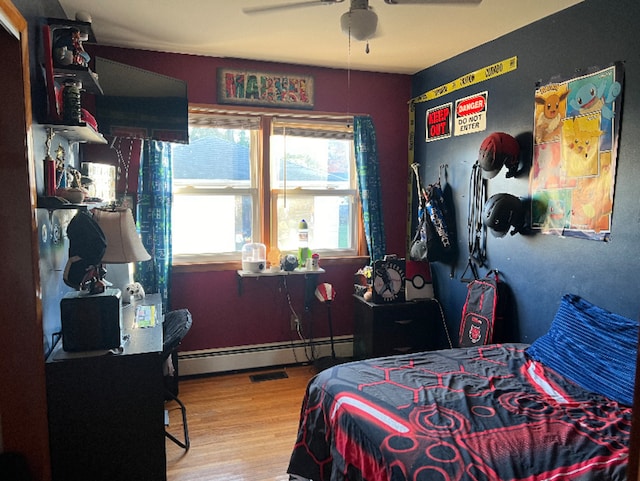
x=123, y=245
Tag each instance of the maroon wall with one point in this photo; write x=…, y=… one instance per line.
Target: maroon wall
x=222, y=315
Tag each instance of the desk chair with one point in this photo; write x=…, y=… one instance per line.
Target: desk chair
x=176, y=325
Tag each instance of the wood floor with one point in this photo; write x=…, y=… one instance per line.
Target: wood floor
x=240, y=430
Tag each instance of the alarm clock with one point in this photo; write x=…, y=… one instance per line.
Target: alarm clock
x=388, y=281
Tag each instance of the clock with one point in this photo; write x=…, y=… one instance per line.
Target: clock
x=388, y=281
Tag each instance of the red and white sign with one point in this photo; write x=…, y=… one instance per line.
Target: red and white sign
x=471, y=114
x=439, y=122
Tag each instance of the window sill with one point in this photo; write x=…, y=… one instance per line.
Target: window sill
x=187, y=267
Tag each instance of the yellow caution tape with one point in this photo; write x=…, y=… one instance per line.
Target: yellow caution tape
x=472, y=78
x=410, y=180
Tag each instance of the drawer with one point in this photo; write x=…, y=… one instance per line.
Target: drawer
x=401, y=335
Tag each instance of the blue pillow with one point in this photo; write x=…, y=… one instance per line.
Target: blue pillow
x=592, y=347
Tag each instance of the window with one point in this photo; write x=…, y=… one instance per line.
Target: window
x=253, y=178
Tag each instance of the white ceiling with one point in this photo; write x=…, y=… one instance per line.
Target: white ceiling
x=411, y=37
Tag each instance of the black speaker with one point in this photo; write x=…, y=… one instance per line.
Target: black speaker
x=91, y=322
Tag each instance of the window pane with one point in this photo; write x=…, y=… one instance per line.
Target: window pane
x=329, y=219
x=214, y=157
x=206, y=217
x=205, y=224
x=310, y=162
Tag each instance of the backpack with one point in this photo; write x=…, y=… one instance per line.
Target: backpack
x=485, y=310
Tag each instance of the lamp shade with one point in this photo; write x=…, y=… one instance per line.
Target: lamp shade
x=361, y=24
x=123, y=243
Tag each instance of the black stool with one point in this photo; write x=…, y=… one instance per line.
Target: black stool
x=176, y=325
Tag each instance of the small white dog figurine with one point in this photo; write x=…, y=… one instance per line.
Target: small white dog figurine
x=135, y=291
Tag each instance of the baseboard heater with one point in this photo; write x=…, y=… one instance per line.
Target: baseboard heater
x=237, y=358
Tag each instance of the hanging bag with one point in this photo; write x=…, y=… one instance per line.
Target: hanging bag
x=418, y=250
x=481, y=311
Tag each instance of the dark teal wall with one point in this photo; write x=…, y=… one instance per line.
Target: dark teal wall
x=541, y=268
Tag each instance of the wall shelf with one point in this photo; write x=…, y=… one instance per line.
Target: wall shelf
x=89, y=79
x=52, y=203
x=84, y=27
x=77, y=133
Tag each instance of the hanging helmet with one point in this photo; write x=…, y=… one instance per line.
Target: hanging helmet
x=501, y=212
x=496, y=150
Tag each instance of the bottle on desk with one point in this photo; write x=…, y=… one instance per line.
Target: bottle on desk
x=303, y=243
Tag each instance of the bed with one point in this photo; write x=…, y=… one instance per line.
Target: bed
x=557, y=409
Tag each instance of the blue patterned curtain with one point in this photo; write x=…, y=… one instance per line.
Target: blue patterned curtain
x=154, y=218
x=364, y=136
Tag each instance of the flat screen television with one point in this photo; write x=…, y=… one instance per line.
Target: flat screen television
x=141, y=104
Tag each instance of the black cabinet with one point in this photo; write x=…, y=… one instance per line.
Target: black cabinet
x=395, y=328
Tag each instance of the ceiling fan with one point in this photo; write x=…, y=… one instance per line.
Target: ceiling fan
x=360, y=22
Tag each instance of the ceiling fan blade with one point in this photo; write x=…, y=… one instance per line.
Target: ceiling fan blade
x=287, y=6
x=427, y=2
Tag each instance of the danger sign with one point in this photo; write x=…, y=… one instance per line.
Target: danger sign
x=471, y=114
x=439, y=122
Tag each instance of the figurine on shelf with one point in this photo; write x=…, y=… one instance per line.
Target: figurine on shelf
x=68, y=49
x=75, y=177
x=68, y=180
x=61, y=180
x=74, y=193
x=62, y=56
x=80, y=57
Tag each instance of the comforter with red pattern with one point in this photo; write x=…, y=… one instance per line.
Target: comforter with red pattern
x=485, y=413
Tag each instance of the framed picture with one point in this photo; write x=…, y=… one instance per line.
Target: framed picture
x=243, y=87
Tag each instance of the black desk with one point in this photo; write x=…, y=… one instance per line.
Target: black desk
x=106, y=411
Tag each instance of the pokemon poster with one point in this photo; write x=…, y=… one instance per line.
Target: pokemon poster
x=575, y=138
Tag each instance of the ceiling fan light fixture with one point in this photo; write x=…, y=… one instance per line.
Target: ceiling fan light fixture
x=361, y=24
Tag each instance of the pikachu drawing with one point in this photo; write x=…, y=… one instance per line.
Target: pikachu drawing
x=580, y=145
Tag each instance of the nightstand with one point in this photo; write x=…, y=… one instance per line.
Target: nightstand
x=395, y=328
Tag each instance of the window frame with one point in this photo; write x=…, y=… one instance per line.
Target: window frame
x=266, y=203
